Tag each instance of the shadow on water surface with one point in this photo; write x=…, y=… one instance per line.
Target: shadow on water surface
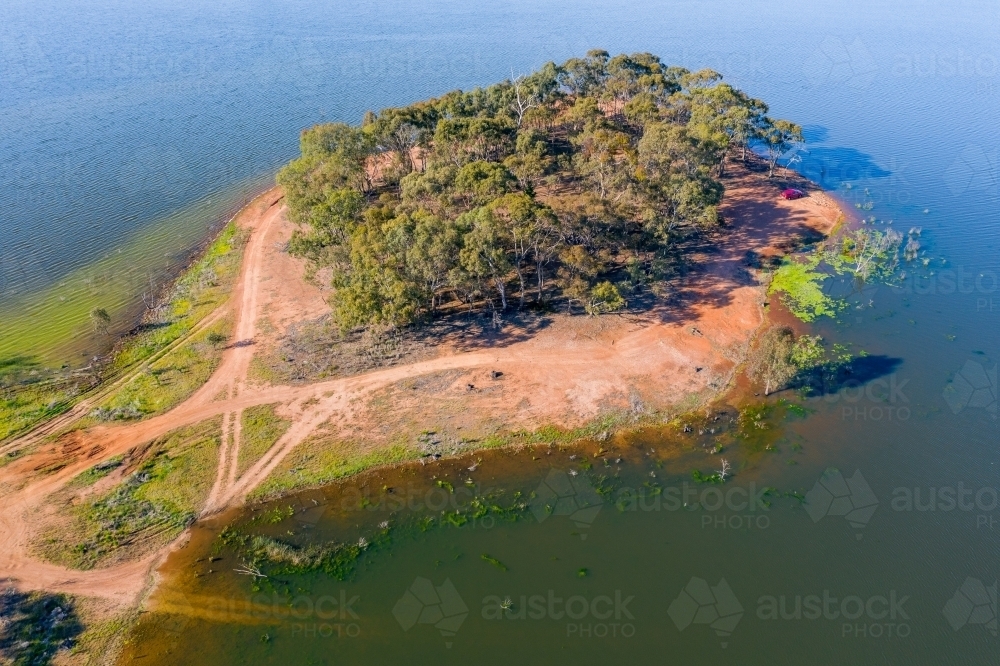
x=832, y=167
x=832, y=377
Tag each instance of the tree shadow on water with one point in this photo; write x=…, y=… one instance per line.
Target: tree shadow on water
x=831, y=377
x=14, y=369
x=831, y=167
x=35, y=626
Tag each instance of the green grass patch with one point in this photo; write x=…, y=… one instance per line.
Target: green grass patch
x=31, y=393
x=168, y=381
x=91, y=476
x=262, y=427
x=316, y=463
x=319, y=461
x=148, y=508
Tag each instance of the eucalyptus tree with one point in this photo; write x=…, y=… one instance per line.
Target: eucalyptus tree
x=778, y=137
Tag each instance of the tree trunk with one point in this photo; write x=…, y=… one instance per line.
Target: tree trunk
x=520, y=279
x=503, y=293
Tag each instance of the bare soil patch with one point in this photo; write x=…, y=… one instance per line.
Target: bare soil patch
x=371, y=402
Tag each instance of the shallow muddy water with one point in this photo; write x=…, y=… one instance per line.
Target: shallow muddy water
x=198, y=104
x=597, y=552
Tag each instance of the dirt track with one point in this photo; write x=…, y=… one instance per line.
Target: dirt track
x=565, y=373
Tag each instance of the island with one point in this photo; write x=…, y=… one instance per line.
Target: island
x=588, y=249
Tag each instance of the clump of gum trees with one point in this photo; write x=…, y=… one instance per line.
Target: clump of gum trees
x=544, y=186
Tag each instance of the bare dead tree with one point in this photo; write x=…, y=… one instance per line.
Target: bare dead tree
x=724, y=472
x=249, y=570
x=149, y=297
x=522, y=101
x=871, y=245
x=770, y=359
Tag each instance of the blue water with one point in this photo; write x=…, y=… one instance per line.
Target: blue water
x=113, y=115
x=117, y=117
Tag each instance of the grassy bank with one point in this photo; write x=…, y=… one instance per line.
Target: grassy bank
x=31, y=393
x=125, y=508
x=325, y=458
x=261, y=428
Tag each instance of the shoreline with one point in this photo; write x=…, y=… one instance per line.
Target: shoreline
x=574, y=365
x=65, y=348
x=102, y=375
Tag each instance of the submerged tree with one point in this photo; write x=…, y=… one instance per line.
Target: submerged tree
x=100, y=320
x=770, y=362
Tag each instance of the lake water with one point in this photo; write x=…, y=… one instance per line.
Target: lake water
x=128, y=131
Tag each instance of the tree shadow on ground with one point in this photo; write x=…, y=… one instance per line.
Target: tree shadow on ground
x=35, y=626
x=470, y=331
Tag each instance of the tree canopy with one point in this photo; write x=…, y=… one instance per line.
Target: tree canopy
x=549, y=186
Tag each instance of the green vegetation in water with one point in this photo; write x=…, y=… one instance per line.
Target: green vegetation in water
x=700, y=477
x=794, y=410
x=757, y=426
x=271, y=555
x=866, y=255
x=31, y=393
x=802, y=286
x=274, y=515
x=262, y=427
x=494, y=561
x=334, y=559
x=581, y=183
x=35, y=626
x=149, y=506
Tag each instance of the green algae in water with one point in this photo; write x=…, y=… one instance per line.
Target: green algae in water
x=802, y=286
x=494, y=561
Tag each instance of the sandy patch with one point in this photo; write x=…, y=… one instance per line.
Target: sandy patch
x=676, y=354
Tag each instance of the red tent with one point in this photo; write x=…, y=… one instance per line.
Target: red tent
x=792, y=193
